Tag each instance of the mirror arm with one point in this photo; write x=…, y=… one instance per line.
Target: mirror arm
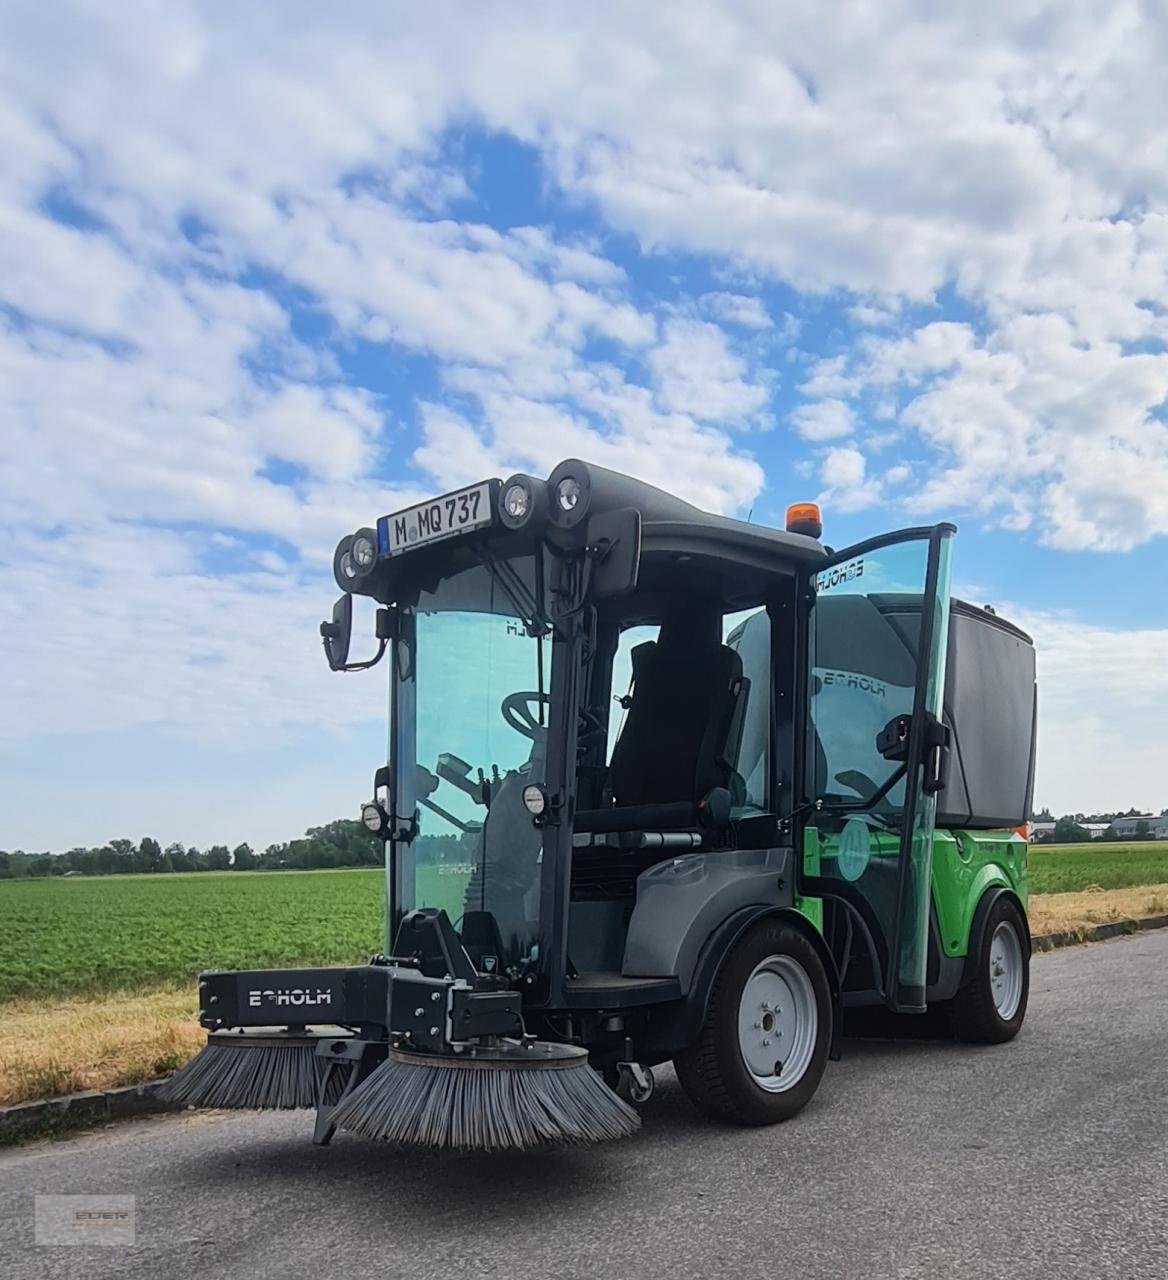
x=370, y=662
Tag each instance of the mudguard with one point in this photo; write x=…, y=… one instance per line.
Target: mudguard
x=673, y=1028
x=977, y=927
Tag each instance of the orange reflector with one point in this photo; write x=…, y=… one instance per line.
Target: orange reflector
x=804, y=517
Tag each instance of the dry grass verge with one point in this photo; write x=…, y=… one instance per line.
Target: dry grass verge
x=65, y=1046
x=100, y=1042
x=1077, y=912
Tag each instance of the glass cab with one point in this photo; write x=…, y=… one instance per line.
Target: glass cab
x=469, y=733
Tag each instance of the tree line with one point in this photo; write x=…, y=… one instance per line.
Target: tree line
x=1070, y=828
x=343, y=843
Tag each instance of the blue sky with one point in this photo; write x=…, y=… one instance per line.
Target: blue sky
x=265, y=276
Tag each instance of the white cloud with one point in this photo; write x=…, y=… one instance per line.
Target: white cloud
x=452, y=451
x=1021, y=164
x=824, y=420
x=1103, y=713
x=737, y=308
x=610, y=421
x=844, y=472
x=1030, y=425
x=828, y=377
x=135, y=632
x=870, y=315
x=696, y=373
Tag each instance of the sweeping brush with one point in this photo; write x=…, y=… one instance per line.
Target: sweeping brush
x=265, y=1071
x=509, y=1097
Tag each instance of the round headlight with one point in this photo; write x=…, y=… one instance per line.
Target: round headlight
x=517, y=501
x=363, y=552
x=347, y=567
x=372, y=816
x=534, y=799
x=568, y=493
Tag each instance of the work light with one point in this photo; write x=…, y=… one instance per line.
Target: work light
x=373, y=816
x=360, y=556
x=523, y=503
x=534, y=799
x=364, y=552
x=568, y=493
x=517, y=501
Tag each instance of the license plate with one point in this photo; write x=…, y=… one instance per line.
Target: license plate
x=457, y=512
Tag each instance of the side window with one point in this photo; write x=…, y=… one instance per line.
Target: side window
x=749, y=634
x=622, y=675
x=863, y=670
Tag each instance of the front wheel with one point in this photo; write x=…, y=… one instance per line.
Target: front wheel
x=991, y=1005
x=763, y=1046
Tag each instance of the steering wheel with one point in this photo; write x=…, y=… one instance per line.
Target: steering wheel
x=516, y=709
x=866, y=789
x=859, y=782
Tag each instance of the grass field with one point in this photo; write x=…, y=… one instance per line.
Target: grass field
x=118, y=933
x=1067, y=868
x=121, y=933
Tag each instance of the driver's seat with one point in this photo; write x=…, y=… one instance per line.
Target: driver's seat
x=676, y=747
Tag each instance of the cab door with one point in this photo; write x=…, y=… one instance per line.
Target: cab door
x=875, y=624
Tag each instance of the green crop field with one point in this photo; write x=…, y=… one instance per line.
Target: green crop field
x=62, y=937
x=109, y=933
x=1066, y=868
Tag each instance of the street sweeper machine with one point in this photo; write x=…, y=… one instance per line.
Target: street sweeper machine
x=661, y=786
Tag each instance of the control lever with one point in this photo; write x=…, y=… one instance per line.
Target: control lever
x=456, y=771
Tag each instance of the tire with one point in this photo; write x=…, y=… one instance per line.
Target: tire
x=990, y=1006
x=778, y=968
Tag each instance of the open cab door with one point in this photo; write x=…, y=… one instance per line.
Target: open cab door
x=875, y=627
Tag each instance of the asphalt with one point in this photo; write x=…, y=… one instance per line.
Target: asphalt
x=1046, y=1157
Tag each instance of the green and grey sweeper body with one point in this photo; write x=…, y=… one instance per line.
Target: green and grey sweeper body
x=661, y=786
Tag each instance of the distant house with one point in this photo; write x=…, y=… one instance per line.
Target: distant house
x=1036, y=832
x=1095, y=829
x=1155, y=824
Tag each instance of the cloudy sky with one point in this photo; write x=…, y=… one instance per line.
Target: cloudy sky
x=269, y=271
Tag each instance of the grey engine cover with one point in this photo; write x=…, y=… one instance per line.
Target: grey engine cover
x=682, y=901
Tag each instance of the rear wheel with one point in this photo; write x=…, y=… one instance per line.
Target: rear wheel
x=762, y=1048
x=991, y=1005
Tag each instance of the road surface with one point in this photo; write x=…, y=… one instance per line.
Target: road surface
x=1047, y=1157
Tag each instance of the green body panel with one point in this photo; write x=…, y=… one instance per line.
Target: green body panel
x=965, y=865
x=812, y=908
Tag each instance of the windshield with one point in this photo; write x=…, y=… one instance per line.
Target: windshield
x=475, y=739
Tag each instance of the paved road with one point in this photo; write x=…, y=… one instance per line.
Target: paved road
x=1048, y=1157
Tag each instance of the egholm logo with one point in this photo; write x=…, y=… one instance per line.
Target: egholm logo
x=287, y=996
x=839, y=574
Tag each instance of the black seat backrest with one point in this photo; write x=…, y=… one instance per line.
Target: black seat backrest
x=673, y=744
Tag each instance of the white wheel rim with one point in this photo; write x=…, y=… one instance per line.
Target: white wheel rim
x=1006, y=970
x=778, y=1020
